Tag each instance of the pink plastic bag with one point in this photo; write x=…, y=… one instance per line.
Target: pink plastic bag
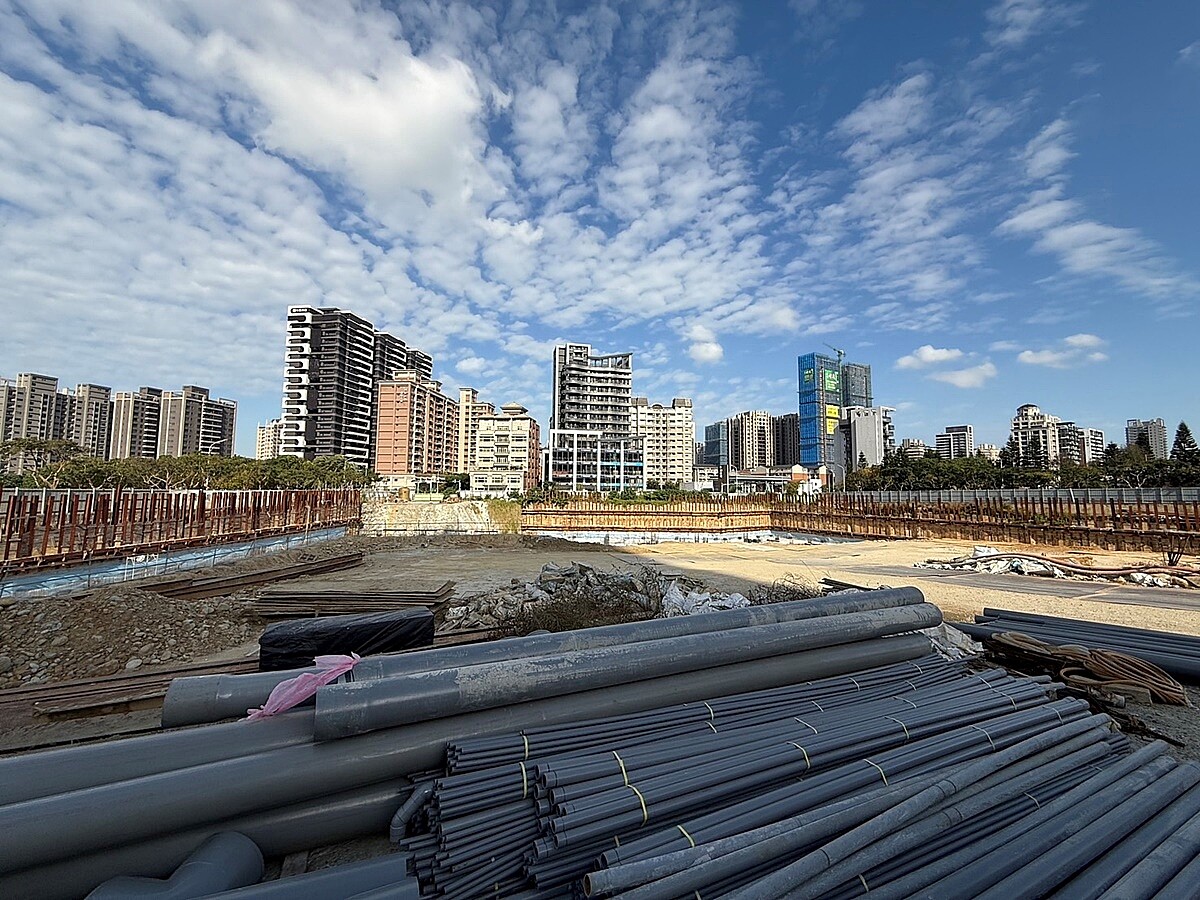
x=296, y=690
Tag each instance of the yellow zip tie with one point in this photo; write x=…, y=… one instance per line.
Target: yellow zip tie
x=616, y=840
x=524, y=781
x=526, y=740
x=712, y=716
x=642, y=800
x=807, y=764
x=866, y=887
x=857, y=686
x=882, y=773
x=907, y=736
x=806, y=725
x=1033, y=798
x=683, y=831
x=983, y=731
x=621, y=763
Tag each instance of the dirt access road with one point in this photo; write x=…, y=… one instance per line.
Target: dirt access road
x=738, y=566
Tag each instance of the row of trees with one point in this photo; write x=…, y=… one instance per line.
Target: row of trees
x=1122, y=467
x=61, y=464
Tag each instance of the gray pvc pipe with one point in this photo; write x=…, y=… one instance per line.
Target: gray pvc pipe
x=52, y=828
x=278, y=832
x=1183, y=885
x=1165, y=861
x=781, y=881
x=359, y=707
x=389, y=871
x=73, y=768
x=210, y=698
x=1108, y=870
x=224, y=861
x=404, y=814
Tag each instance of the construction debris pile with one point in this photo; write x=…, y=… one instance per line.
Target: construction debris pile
x=991, y=561
x=579, y=595
x=117, y=629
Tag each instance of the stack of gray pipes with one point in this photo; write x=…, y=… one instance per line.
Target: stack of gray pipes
x=75, y=817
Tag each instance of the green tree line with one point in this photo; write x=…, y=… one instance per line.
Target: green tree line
x=1121, y=467
x=62, y=464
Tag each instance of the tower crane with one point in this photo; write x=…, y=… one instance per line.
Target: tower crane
x=841, y=354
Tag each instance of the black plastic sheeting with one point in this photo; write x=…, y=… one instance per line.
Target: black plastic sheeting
x=293, y=644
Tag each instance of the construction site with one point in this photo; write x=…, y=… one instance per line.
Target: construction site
x=313, y=694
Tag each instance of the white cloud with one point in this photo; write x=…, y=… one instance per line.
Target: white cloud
x=1071, y=351
x=706, y=352
x=973, y=377
x=928, y=355
x=1190, y=55
x=1014, y=22
x=472, y=365
x=1001, y=346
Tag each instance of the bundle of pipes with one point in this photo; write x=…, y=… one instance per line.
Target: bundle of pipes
x=75, y=817
x=211, y=698
x=641, y=783
x=1178, y=654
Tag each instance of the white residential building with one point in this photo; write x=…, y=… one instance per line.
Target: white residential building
x=1036, y=435
x=989, y=452
x=867, y=436
x=193, y=422
x=1155, y=431
x=267, y=444
x=592, y=447
x=914, y=448
x=508, y=452
x=668, y=438
x=956, y=442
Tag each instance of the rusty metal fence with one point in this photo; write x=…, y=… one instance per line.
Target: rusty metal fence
x=1056, y=521
x=45, y=528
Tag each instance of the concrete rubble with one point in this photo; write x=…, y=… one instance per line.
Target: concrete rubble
x=644, y=590
x=991, y=561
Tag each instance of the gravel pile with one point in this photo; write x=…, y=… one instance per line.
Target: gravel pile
x=114, y=630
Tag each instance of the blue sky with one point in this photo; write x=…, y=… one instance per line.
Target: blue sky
x=990, y=204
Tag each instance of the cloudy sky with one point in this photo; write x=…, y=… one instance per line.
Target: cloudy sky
x=991, y=205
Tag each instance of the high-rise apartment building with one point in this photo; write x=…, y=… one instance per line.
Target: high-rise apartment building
x=1155, y=432
x=1093, y=446
x=787, y=439
x=668, y=438
x=91, y=422
x=333, y=361
x=193, y=422
x=391, y=355
x=1036, y=435
x=135, y=419
x=329, y=384
x=716, y=443
x=866, y=437
x=266, y=444
x=825, y=387
x=751, y=440
x=416, y=429
x=914, y=448
x=956, y=442
x=508, y=452
x=592, y=447
x=471, y=410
